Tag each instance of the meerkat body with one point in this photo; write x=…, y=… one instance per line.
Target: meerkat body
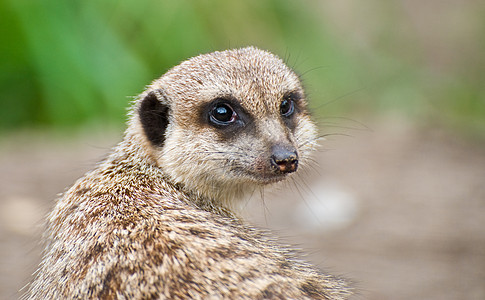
x=154, y=220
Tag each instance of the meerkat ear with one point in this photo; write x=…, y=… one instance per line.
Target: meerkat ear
x=154, y=118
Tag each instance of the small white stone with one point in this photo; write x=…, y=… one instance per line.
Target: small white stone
x=329, y=207
x=21, y=215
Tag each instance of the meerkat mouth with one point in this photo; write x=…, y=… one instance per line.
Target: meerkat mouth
x=266, y=178
x=270, y=179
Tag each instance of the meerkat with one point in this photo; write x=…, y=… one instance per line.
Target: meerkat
x=155, y=220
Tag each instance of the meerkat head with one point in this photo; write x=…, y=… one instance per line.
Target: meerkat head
x=224, y=123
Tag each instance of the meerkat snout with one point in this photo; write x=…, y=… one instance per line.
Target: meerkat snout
x=284, y=159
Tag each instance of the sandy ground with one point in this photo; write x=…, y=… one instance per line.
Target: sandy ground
x=399, y=210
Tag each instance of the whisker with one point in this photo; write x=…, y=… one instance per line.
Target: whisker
x=364, y=126
x=332, y=125
x=305, y=202
x=246, y=202
x=265, y=208
x=355, y=91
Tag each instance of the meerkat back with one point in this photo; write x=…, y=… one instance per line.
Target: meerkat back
x=155, y=219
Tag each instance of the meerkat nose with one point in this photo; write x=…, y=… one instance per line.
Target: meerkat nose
x=284, y=158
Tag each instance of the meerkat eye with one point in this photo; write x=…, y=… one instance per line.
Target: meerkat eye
x=223, y=114
x=287, y=107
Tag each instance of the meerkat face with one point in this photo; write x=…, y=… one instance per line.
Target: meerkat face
x=223, y=123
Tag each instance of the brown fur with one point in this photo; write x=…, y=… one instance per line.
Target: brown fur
x=155, y=221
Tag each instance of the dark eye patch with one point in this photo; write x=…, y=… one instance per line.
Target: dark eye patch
x=294, y=96
x=291, y=104
x=287, y=107
x=223, y=114
x=227, y=115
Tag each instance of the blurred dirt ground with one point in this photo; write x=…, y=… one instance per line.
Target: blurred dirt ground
x=399, y=210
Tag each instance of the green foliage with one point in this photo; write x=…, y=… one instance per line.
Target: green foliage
x=65, y=63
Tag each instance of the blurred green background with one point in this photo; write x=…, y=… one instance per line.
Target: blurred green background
x=70, y=63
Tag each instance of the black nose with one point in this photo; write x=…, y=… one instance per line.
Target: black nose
x=284, y=159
